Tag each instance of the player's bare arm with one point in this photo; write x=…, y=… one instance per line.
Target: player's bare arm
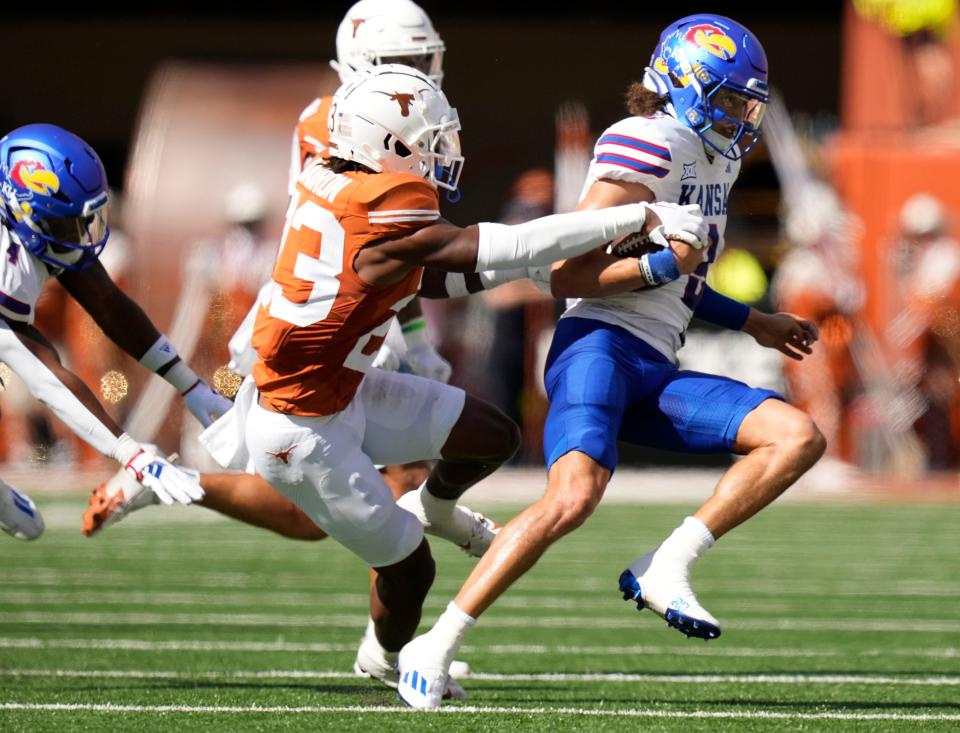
x=122, y=320
x=789, y=334
x=597, y=273
x=125, y=323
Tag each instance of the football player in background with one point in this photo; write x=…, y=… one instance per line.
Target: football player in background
x=612, y=368
x=924, y=337
x=375, y=32
x=316, y=417
x=53, y=223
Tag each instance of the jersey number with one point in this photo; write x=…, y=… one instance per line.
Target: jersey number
x=305, y=277
x=311, y=257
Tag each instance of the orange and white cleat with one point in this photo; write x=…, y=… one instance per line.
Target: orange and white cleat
x=114, y=499
x=471, y=531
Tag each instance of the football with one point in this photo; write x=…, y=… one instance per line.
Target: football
x=635, y=244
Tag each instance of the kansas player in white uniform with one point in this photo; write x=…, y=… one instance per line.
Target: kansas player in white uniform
x=53, y=223
x=611, y=372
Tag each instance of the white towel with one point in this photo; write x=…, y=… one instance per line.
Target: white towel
x=225, y=440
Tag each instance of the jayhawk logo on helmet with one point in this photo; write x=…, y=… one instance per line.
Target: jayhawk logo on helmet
x=33, y=176
x=712, y=39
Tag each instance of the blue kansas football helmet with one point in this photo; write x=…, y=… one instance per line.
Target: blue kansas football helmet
x=55, y=196
x=715, y=73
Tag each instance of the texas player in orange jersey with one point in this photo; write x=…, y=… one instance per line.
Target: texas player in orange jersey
x=316, y=417
x=371, y=33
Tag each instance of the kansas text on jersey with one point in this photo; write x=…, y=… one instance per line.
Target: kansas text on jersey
x=669, y=159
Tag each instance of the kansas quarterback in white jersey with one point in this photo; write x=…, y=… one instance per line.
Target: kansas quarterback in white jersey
x=670, y=159
x=611, y=373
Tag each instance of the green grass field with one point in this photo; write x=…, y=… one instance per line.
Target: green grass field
x=836, y=617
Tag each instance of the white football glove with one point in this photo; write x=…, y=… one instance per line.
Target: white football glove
x=421, y=354
x=205, y=403
x=170, y=484
x=679, y=222
x=387, y=359
x=426, y=362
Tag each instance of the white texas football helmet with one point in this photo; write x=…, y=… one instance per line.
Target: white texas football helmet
x=375, y=32
x=394, y=118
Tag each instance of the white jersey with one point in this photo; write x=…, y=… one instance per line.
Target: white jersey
x=669, y=159
x=23, y=277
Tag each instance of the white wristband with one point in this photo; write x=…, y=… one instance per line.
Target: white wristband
x=125, y=449
x=181, y=376
x=458, y=286
x=551, y=238
x=415, y=332
x=162, y=352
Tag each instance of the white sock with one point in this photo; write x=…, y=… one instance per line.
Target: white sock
x=375, y=648
x=684, y=546
x=426, y=507
x=688, y=541
x=450, y=630
x=436, y=509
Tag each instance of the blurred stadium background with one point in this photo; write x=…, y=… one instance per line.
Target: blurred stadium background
x=847, y=214
x=192, y=114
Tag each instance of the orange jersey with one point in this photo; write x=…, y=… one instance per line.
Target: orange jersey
x=323, y=325
x=312, y=135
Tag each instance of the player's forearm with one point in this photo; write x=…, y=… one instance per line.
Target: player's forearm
x=410, y=312
x=596, y=275
x=560, y=236
x=720, y=310
x=129, y=327
x=437, y=284
x=126, y=324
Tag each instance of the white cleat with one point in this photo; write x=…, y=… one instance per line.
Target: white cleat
x=112, y=501
x=459, y=669
x=372, y=663
x=19, y=516
x=480, y=531
x=424, y=676
x=471, y=531
x=666, y=591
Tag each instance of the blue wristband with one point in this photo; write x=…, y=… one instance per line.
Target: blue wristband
x=658, y=268
x=720, y=310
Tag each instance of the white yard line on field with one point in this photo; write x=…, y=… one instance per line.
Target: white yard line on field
x=41, y=577
x=699, y=650
x=477, y=709
x=320, y=620
x=695, y=679
x=594, y=606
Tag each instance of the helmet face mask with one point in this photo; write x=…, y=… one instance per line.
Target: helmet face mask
x=376, y=32
x=714, y=72
x=55, y=196
x=393, y=118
